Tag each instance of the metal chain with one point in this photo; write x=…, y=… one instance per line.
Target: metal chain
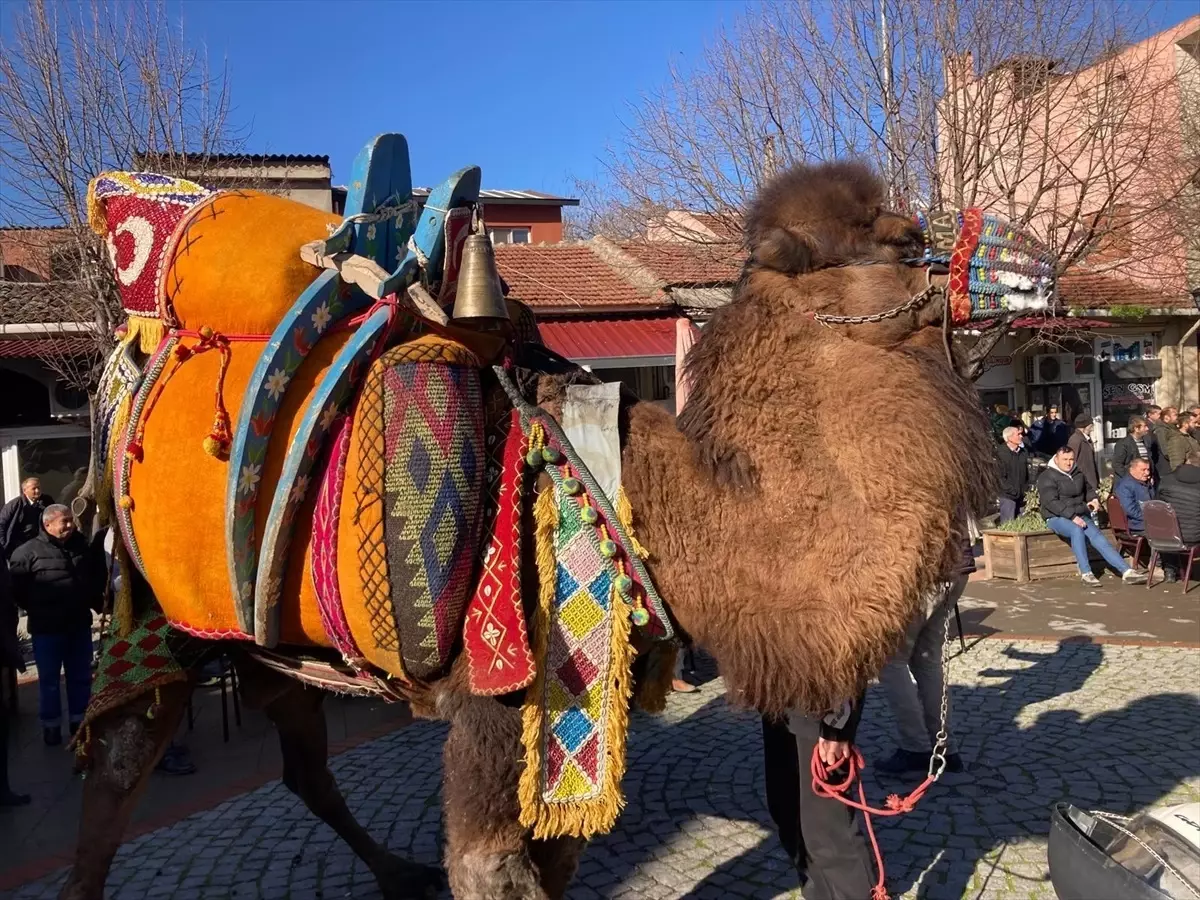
x=913, y=302
x=937, y=759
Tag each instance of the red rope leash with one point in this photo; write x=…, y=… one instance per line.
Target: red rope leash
x=823, y=786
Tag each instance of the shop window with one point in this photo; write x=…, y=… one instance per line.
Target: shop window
x=509, y=235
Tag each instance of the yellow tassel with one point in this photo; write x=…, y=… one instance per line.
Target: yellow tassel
x=147, y=332
x=97, y=221
x=104, y=490
x=123, y=602
x=545, y=517
x=625, y=517
x=83, y=743
x=595, y=816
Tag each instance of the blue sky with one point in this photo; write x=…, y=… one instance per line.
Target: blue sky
x=530, y=91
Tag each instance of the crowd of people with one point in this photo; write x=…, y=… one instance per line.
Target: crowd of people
x=1157, y=459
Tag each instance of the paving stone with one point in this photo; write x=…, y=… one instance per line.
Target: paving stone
x=1104, y=726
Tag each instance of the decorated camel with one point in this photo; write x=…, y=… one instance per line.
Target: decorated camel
x=334, y=451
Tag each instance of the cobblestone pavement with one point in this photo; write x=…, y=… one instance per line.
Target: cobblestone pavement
x=1107, y=726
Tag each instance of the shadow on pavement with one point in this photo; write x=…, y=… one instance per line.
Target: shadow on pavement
x=1118, y=759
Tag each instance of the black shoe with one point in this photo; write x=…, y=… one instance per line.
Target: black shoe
x=175, y=762
x=902, y=762
x=11, y=798
x=52, y=737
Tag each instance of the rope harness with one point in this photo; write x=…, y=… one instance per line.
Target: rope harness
x=823, y=784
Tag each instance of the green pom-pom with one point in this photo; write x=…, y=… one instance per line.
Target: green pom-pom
x=589, y=515
x=550, y=455
x=609, y=548
x=624, y=585
x=641, y=618
x=533, y=458
x=572, y=486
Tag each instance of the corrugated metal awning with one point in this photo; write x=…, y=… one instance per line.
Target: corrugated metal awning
x=43, y=347
x=613, y=343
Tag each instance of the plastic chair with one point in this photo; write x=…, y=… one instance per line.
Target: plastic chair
x=1164, y=537
x=1126, y=540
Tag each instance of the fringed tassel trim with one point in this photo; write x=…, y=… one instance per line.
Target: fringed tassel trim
x=625, y=517
x=148, y=333
x=529, y=792
x=104, y=490
x=123, y=603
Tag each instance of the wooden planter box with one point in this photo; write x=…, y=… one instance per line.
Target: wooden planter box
x=1031, y=555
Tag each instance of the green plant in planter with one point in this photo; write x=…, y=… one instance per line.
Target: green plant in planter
x=1031, y=519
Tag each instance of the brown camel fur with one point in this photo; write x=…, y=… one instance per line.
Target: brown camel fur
x=790, y=542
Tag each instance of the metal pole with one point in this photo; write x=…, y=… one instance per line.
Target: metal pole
x=885, y=48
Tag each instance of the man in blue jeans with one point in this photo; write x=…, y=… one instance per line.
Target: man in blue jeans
x=1068, y=504
x=59, y=578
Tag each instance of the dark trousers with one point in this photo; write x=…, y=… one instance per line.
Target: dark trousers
x=69, y=652
x=820, y=836
x=1010, y=509
x=5, y=715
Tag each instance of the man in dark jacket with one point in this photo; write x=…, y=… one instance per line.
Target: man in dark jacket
x=1135, y=445
x=1085, y=454
x=10, y=658
x=1068, y=504
x=59, y=579
x=1180, y=440
x=1181, y=489
x=21, y=518
x=1012, y=461
x=1132, y=491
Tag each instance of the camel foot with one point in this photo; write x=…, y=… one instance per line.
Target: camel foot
x=400, y=879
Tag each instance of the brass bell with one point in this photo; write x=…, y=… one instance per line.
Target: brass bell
x=479, y=295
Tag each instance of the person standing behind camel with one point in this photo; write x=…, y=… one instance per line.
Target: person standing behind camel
x=21, y=517
x=913, y=679
x=820, y=835
x=1180, y=440
x=1085, y=454
x=59, y=579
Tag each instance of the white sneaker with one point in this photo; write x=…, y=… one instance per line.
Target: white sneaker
x=1089, y=579
x=1132, y=577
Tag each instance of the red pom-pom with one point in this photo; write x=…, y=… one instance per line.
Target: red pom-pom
x=134, y=450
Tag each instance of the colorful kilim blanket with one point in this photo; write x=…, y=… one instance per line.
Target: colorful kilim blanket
x=131, y=666
x=576, y=714
x=433, y=496
x=494, y=634
x=114, y=395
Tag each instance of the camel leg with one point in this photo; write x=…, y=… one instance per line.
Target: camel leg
x=490, y=856
x=296, y=711
x=125, y=747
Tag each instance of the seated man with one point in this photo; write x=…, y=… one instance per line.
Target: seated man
x=1133, y=490
x=1067, y=504
x=1182, y=490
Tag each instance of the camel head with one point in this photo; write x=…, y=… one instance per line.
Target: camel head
x=827, y=230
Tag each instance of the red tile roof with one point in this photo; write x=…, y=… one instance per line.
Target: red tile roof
x=726, y=227
x=568, y=277
x=689, y=262
x=610, y=338
x=1093, y=290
